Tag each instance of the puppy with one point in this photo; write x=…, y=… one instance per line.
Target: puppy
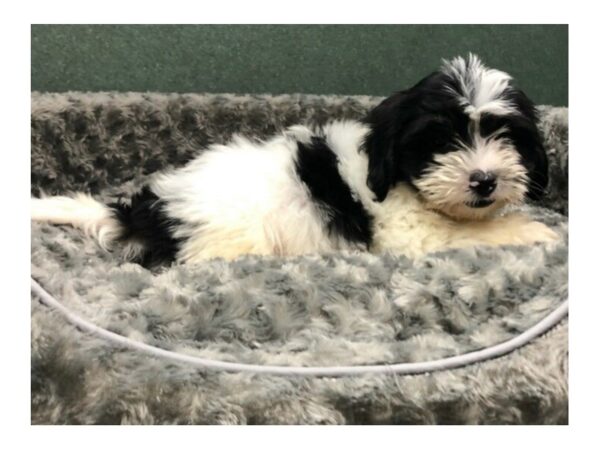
x=430, y=168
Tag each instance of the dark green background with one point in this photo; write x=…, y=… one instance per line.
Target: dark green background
x=314, y=59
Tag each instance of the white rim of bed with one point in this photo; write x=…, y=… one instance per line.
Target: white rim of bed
x=412, y=368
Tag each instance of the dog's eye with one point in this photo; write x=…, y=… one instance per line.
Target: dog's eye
x=430, y=135
x=436, y=144
x=432, y=142
x=489, y=123
x=439, y=141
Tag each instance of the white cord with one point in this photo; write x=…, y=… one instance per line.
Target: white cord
x=335, y=371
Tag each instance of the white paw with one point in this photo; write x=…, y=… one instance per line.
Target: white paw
x=533, y=232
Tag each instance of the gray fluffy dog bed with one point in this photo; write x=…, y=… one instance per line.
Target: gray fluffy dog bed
x=327, y=310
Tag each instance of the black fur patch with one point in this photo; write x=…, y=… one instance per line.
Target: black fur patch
x=317, y=167
x=145, y=221
x=409, y=128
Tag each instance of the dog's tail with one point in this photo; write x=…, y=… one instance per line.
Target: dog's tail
x=80, y=211
x=142, y=225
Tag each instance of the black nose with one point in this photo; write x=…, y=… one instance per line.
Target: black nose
x=482, y=183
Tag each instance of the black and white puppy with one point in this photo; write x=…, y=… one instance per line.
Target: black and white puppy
x=430, y=168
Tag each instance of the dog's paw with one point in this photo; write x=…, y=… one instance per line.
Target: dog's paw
x=533, y=232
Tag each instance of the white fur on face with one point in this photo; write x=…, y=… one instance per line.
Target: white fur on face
x=444, y=186
x=480, y=89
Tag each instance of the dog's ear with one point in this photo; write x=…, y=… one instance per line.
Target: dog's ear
x=389, y=122
x=386, y=122
x=528, y=140
x=537, y=169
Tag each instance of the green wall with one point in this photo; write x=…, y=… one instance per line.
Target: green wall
x=317, y=59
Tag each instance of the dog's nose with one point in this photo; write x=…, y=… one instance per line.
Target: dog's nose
x=482, y=183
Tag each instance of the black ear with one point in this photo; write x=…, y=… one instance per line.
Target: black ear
x=386, y=143
x=528, y=141
x=386, y=121
x=537, y=171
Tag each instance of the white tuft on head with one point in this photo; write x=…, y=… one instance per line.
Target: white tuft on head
x=480, y=89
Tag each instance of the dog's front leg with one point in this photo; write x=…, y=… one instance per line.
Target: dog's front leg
x=514, y=229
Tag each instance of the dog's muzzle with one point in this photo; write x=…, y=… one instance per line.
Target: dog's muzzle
x=483, y=183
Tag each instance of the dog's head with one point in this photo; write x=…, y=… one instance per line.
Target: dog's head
x=463, y=137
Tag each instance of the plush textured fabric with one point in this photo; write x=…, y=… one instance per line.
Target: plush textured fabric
x=336, y=309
